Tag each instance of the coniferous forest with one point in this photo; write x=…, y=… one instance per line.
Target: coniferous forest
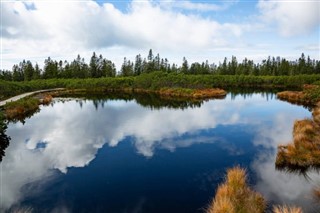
x=99, y=66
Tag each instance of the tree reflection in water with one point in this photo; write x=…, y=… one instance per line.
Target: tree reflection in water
x=4, y=139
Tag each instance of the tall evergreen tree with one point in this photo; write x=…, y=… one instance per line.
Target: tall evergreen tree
x=138, y=69
x=185, y=66
x=28, y=71
x=93, y=66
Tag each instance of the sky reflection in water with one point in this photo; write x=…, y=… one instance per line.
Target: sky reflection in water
x=127, y=158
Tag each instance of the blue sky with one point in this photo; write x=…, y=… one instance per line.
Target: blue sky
x=197, y=30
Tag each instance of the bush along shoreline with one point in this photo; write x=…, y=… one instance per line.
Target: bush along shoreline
x=161, y=80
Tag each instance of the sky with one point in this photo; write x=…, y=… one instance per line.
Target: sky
x=198, y=30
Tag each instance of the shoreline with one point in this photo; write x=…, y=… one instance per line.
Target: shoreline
x=24, y=95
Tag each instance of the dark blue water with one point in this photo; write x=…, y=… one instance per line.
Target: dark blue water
x=118, y=156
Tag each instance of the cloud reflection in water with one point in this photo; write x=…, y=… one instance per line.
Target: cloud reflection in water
x=65, y=135
x=277, y=185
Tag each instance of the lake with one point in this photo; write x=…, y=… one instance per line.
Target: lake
x=134, y=155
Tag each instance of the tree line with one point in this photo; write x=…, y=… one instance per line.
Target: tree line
x=102, y=67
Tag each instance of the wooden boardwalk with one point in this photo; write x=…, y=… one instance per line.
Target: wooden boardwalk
x=15, y=98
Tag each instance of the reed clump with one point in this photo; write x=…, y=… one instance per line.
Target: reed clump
x=292, y=96
x=304, y=152
x=47, y=99
x=235, y=196
x=209, y=93
x=193, y=93
x=286, y=209
x=309, y=96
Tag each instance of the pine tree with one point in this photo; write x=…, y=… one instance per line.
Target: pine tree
x=185, y=66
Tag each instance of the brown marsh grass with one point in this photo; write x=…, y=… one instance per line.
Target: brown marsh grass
x=26, y=106
x=291, y=96
x=47, y=99
x=286, y=209
x=235, y=196
x=21, y=107
x=192, y=93
x=304, y=152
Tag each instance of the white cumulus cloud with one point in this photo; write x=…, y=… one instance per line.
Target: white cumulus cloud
x=60, y=28
x=291, y=17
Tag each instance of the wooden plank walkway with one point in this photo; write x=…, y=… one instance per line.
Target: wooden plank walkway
x=15, y=98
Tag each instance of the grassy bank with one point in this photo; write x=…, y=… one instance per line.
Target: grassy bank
x=304, y=152
x=159, y=80
x=25, y=107
x=310, y=95
x=168, y=97
x=235, y=196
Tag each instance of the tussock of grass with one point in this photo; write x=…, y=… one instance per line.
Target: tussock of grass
x=47, y=99
x=21, y=107
x=192, y=93
x=304, y=152
x=286, y=209
x=316, y=114
x=308, y=97
x=235, y=196
x=26, y=106
x=292, y=96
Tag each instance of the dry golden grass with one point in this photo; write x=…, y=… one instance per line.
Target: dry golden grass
x=222, y=205
x=286, y=209
x=46, y=99
x=192, y=93
x=304, y=152
x=316, y=115
x=309, y=86
x=208, y=93
x=292, y=96
x=21, y=107
x=26, y=106
x=235, y=196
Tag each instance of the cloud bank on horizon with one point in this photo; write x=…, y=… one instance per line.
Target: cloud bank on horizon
x=198, y=30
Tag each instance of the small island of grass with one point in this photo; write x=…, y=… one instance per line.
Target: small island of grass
x=235, y=196
x=304, y=152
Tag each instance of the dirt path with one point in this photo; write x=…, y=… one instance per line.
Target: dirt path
x=15, y=98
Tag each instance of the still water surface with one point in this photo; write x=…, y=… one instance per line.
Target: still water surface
x=119, y=156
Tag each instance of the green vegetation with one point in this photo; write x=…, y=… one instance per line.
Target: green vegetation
x=151, y=100
x=310, y=95
x=235, y=196
x=4, y=139
x=170, y=85
x=100, y=67
x=21, y=108
x=158, y=80
x=155, y=73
